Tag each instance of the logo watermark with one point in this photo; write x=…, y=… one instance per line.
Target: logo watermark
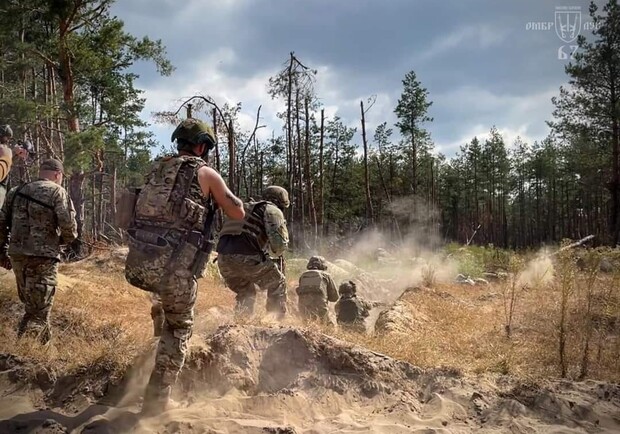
x=568, y=24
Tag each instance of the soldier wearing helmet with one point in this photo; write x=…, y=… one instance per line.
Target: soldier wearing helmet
x=351, y=310
x=243, y=258
x=316, y=289
x=166, y=246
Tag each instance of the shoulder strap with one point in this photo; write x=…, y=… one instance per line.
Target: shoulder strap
x=10, y=207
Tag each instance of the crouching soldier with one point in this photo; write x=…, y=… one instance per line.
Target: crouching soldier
x=351, y=310
x=316, y=289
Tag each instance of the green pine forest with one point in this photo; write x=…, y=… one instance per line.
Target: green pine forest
x=67, y=86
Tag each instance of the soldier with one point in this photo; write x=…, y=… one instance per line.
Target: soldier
x=242, y=258
x=169, y=246
x=316, y=289
x=351, y=310
x=31, y=218
x=6, y=159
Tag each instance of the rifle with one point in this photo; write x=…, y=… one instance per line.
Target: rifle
x=206, y=244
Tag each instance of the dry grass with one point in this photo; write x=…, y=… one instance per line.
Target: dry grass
x=101, y=321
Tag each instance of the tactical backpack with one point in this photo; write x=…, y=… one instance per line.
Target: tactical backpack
x=165, y=203
x=311, y=282
x=348, y=310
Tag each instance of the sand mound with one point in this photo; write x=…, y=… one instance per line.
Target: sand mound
x=246, y=379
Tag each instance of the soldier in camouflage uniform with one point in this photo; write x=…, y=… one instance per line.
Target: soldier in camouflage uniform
x=316, y=288
x=31, y=218
x=242, y=258
x=168, y=250
x=351, y=310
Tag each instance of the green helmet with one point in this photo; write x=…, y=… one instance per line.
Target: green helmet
x=277, y=195
x=193, y=132
x=6, y=131
x=348, y=287
x=317, y=263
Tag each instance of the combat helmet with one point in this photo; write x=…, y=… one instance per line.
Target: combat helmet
x=347, y=288
x=277, y=195
x=193, y=132
x=6, y=131
x=317, y=263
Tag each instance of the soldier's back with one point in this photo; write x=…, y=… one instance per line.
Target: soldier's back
x=34, y=225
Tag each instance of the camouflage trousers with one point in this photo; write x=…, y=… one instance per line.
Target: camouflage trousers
x=36, y=278
x=172, y=311
x=246, y=274
x=313, y=307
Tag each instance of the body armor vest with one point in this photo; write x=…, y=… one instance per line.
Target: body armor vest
x=172, y=197
x=312, y=282
x=350, y=310
x=252, y=224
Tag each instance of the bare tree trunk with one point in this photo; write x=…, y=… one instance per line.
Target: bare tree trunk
x=289, y=139
x=321, y=216
x=217, y=148
x=113, y=194
x=232, y=157
x=369, y=213
x=300, y=181
x=308, y=174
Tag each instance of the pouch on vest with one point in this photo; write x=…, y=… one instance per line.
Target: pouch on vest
x=126, y=208
x=148, y=259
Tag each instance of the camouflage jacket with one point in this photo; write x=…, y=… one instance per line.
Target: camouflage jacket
x=263, y=227
x=42, y=218
x=317, y=282
x=351, y=309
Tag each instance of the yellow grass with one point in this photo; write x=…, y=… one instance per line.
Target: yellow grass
x=101, y=322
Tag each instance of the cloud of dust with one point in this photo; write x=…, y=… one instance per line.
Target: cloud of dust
x=537, y=272
x=401, y=254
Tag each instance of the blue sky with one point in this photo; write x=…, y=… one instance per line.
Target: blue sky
x=480, y=60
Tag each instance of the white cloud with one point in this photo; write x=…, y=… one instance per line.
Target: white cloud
x=514, y=115
x=478, y=36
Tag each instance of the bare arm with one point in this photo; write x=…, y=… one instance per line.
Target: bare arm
x=6, y=159
x=212, y=183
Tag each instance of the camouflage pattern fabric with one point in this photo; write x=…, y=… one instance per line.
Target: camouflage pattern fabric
x=351, y=312
x=157, y=315
x=176, y=296
x=316, y=289
x=245, y=274
x=159, y=261
x=275, y=227
x=171, y=196
x=39, y=210
x=36, y=285
x=265, y=224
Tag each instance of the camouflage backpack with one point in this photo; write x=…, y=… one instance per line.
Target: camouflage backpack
x=349, y=310
x=311, y=282
x=164, y=200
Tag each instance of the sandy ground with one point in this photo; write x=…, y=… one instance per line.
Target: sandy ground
x=247, y=379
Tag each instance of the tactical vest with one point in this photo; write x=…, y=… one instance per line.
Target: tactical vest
x=171, y=197
x=349, y=310
x=169, y=228
x=311, y=282
x=252, y=224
